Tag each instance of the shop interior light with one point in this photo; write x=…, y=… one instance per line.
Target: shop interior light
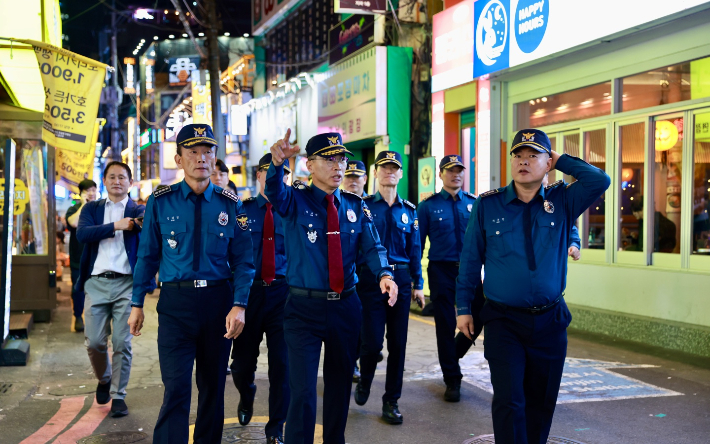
x=177, y=12
x=184, y=34
x=142, y=40
x=246, y=34
x=544, y=99
x=226, y=34
x=202, y=34
x=155, y=37
x=171, y=36
x=166, y=11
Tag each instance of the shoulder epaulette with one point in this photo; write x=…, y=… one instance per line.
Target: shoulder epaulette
x=554, y=184
x=490, y=193
x=369, y=196
x=249, y=199
x=409, y=204
x=297, y=184
x=351, y=193
x=162, y=189
x=230, y=195
x=429, y=197
x=469, y=194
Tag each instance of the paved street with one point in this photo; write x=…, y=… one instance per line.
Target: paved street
x=613, y=392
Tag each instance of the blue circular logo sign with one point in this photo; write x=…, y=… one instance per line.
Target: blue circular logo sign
x=530, y=20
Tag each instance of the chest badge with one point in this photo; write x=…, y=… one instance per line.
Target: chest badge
x=405, y=219
x=172, y=243
x=312, y=236
x=549, y=207
x=223, y=218
x=469, y=206
x=242, y=221
x=351, y=215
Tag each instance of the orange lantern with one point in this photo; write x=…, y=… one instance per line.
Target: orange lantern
x=666, y=135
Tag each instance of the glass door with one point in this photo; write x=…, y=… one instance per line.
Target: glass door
x=593, y=222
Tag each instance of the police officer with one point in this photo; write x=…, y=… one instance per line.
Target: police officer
x=355, y=178
x=198, y=235
x=396, y=221
x=265, y=313
x=575, y=243
x=326, y=229
x=443, y=217
x=525, y=316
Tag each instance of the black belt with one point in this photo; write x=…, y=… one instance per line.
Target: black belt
x=263, y=283
x=394, y=267
x=531, y=310
x=199, y=283
x=320, y=294
x=110, y=275
x=447, y=263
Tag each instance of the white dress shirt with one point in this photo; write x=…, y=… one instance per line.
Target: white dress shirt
x=112, y=251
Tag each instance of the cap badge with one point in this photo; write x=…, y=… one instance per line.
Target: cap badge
x=312, y=236
x=333, y=141
x=390, y=155
x=352, y=166
x=405, y=219
x=453, y=159
x=351, y=215
x=199, y=132
x=242, y=221
x=469, y=206
x=528, y=137
x=223, y=218
x=549, y=207
x=172, y=243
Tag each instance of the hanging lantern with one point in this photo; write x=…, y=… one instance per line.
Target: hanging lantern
x=627, y=174
x=666, y=135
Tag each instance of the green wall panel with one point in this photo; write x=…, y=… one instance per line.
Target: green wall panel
x=399, y=80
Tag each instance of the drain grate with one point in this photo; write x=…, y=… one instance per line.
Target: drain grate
x=249, y=434
x=489, y=439
x=113, y=438
x=4, y=388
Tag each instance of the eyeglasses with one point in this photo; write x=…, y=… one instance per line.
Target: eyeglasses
x=331, y=161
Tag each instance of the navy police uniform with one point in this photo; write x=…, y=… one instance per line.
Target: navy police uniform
x=264, y=315
x=525, y=315
x=398, y=228
x=443, y=218
x=202, y=246
x=314, y=313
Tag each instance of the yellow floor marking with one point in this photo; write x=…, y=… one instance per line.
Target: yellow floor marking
x=421, y=319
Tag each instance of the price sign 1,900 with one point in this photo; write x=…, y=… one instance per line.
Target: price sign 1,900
x=58, y=72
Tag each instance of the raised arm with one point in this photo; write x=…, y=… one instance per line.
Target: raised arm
x=591, y=183
x=280, y=196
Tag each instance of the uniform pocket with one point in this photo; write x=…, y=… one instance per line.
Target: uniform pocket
x=312, y=231
x=499, y=238
x=349, y=235
x=174, y=235
x=218, y=238
x=549, y=227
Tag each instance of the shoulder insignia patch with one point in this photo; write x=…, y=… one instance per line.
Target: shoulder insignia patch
x=351, y=193
x=242, y=221
x=409, y=204
x=555, y=184
x=469, y=194
x=162, y=189
x=366, y=211
x=490, y=193
x=369, y=196
x=297, y=184
x=230, y=195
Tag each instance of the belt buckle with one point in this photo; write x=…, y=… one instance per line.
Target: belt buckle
x=200, y=283
x=534, y=310
x=265, y=284
x=393, y=267
x=333, y=296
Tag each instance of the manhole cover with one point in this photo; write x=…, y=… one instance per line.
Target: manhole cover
x=4, y=388
x=114, y=437
x=249, y=434
x=489, y=439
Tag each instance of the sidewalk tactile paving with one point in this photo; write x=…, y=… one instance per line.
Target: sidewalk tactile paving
x=489, y=439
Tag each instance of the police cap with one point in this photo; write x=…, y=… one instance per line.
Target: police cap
x=265, y=161
x=532, y=138
x=355, y=168
x=389, y=157
x=326, y=145
x=195, y=134
x=450, y=161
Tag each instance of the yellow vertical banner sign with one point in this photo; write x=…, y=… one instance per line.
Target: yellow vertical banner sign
x=73, y=167
x=72, y=89
x=201, y=98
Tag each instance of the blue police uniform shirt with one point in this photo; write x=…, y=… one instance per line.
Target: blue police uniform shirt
x=303, y=211
x=444, y=220
x=495, y=237
x=256, y=210
x=226, y=251
x=398, y=228
x=574, y=240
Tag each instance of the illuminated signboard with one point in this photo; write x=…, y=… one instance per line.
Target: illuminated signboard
x=353, y=34
x=360, y=6
x=180, y=70
x=149, y=76
x=452, y=47
x=130, y=87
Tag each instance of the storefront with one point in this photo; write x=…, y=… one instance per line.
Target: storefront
x=628, y=93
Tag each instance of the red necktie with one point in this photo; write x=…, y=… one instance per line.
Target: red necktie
x=335, y=252
x=268, y=254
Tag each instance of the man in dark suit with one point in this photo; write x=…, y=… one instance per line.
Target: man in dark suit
x=110, y=232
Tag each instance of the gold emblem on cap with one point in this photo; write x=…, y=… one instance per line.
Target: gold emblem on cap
x=390, y=155
x=352, y=166
x=453, y=159
x=333, y=140
x=528, y=137
x=199, y=131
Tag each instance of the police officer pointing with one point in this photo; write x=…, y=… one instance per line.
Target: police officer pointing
x=197, y=234
x=443, y=217
x=525, y=316
x=326, y=229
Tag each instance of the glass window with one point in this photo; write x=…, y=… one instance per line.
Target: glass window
x=595, y=153
x=668, y=165
x=583, y=103
x=571, y=148
x=552, y=176
x=701, y=185
x=670, y=84
x=631, y=150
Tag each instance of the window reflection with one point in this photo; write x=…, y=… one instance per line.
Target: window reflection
x=668, y=149
x=595, y=150
x=701, y=186
x=631, y=147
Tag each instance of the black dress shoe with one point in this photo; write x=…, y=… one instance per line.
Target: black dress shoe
x=103, y=393
x=380, y=357
x=275, y=440
x=390, y=413
x=361, y=394
x=245, y=411
x=119, y=408
x=356, y=375
x=453, y=391
x=78, y=324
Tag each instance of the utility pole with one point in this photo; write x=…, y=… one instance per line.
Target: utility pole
x=215, y=90
x=113, y=104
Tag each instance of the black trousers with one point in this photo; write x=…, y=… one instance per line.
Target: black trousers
x=526, y=354
x=376, y=315
x=308, y=324
x=264, y=315
x=191, y=329
x=77, y=296
x=442, y=289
